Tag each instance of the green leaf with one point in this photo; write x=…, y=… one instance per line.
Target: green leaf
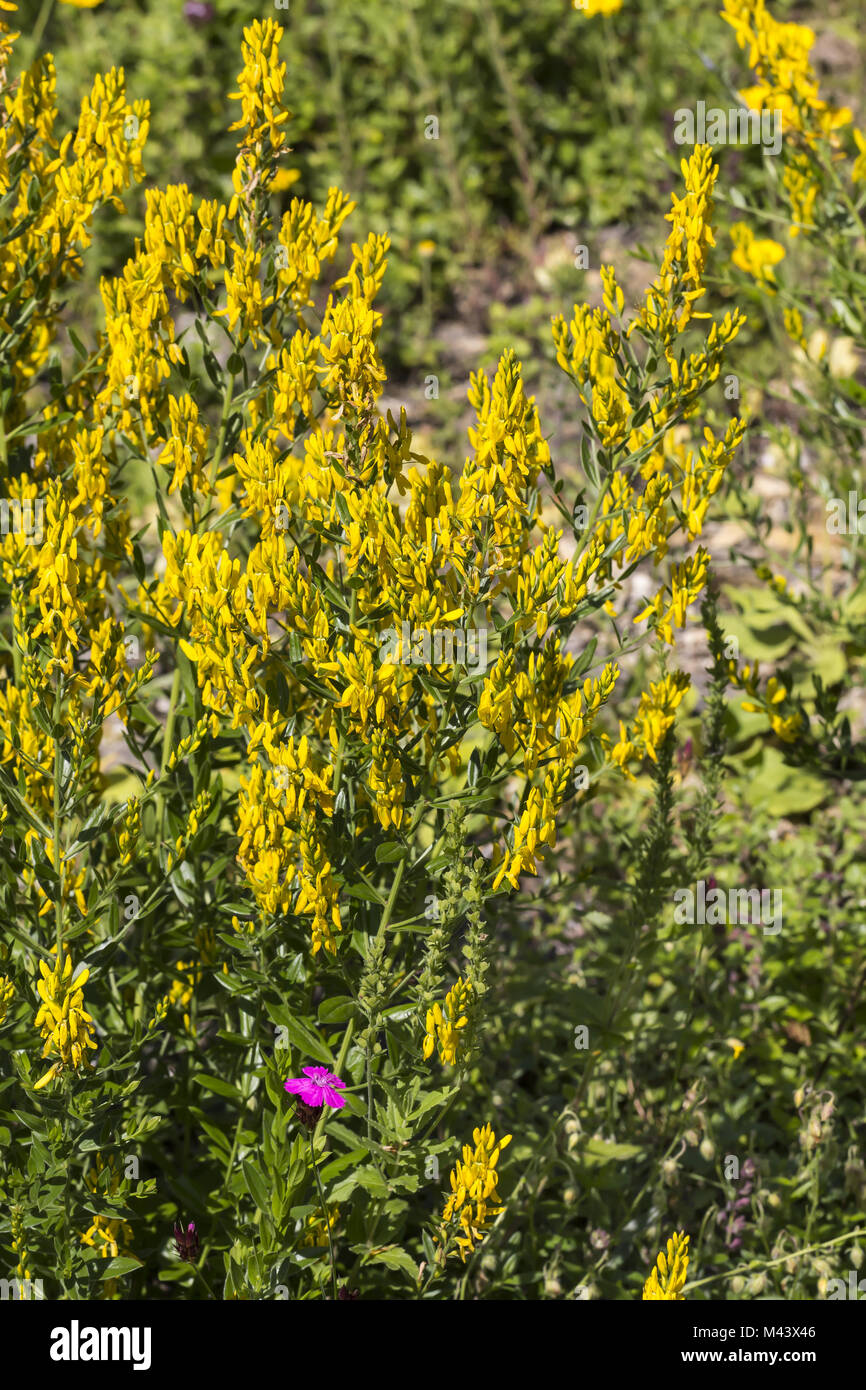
x=395, y=1258
x=389, y=852
x=123, y=1264
x=256, y=1184
x=598, y=1151
x=337, y=1010
x=299, y=1035
x=372, y=1181
x=218, y=1086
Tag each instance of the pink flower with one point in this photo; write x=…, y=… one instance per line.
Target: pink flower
x=316, y=1088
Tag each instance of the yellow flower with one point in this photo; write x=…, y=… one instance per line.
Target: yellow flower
x=474, y=1202
x=591, y=7
x=317, y=1224
x=283, y=179
x=7, y=994
x=793, y=320
x=756, y=256
x=670, y=301
x=655, y=716
x=81, y=4
x=668, y=1278
x=443, y=1025
x=62, y=1020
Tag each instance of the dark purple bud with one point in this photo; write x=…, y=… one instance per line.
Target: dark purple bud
x=308, y=1115
x=186, y=1242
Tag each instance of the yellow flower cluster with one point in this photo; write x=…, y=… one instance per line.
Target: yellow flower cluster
x=350, y=537
x=474, y=1201
x=774, y=701
x=669, y=304
x=779, y=55
x=444, y=1025
x=687, y=581
x=755, y=255
x=667, y=1280
x=655, y=716
x=62, y=1019
x=129, y=831
x=7, y=994
x=65, y=181
x=18, y=1245
x=263, y=116
x=317, y=1224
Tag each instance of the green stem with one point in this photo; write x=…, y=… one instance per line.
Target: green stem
x=223, y=429
x=42, y=23
x=326, y=1216
x=344, y=1052
x=756, y=1265
x=166, y=747
x=383, y=927
x=200, y=1276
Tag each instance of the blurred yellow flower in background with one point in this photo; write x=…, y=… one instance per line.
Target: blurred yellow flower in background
x=755, y=255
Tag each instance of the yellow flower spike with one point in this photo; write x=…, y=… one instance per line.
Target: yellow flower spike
x=61, y=1018
x=668, y=1278
x=474, y=1202
x=7, y=994
x=444, y=1025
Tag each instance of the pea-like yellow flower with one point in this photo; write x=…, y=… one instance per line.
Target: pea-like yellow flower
x=668, y=1277
x=62, y=1019
x=474, y=1202
x=7, y=994
x=755, y=255
x=444, y=1025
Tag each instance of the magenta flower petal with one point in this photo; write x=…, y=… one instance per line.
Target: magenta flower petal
x=318, y=1087
x=332, y=1098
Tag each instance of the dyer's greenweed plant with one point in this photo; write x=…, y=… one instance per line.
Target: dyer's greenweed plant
x=353, y=698
x=804, y=253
